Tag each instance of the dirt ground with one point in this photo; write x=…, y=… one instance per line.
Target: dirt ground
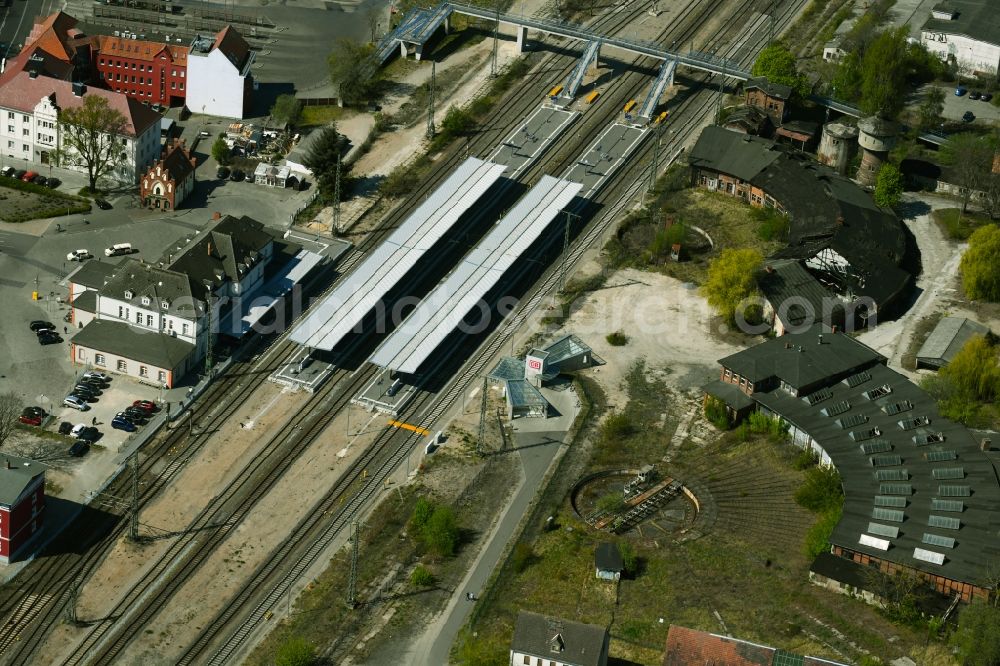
x=938, y=285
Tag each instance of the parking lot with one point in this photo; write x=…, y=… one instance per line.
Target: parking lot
x=955, y=106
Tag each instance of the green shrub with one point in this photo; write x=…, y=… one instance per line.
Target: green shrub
x=818, y=536
x=616, y=426
x=295, y=651
x=613, y=502
x=773, y=225
x=630, y=559
x=806, y=459
x=821, y=491
x=617, y=339
x=422, y=577
x=440, y=534
x=422, y=511
x=522, y=557
x=716, y=413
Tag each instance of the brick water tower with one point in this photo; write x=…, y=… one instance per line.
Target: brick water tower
x=876, y=138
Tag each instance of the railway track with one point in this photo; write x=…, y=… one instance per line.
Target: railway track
x=311, y=535
x=483, y=140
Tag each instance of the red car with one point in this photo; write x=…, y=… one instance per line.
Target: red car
x=28, y=177
x=30, y=419
x=146, y=405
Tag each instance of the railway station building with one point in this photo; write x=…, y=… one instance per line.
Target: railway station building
x=920, y=491
x=22, y=506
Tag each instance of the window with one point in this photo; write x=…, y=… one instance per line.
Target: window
x=118, y=77
x=182, y=86
x=161, y=376
x=527, y=659
x=133, y=79
x=184, y=329
x=10, y=115
x=133, y=65
x=143, y=371
x=25, y=119
x=122, y=366
x=138, y=317
x=173, y=72
x=149, y=320
x=145, y=300
x=25, y=147
x=99, y=359
x=102, y=61
x=182, y=75
x=26, y=132
x=173, y=85
x=121, y=312
x=170, y=324
x=10, y=128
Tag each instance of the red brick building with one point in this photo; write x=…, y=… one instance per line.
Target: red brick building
x=167, y=182
x=771, y=98
x=151, y=72
x=22, y=505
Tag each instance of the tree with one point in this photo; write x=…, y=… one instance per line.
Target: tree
x=974, y=370
x=457, y=121
x=732, y=280
x=929, y=112
x=93, y=136
x=777, y=63
x=322, y=160
x=888, y=186
x=821, y=490
x=883, y=74
x=422, y=511
x=980, y=265
x=220, y=151
x=295, y=651
x=440, y=533
x=287, y=109
x=971, y=159
x=846, y=83
x=10, y=410
x=978, y=635
x=354, y=69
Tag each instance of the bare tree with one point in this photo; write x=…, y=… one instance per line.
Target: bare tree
x=93, y=136
x=10, y=410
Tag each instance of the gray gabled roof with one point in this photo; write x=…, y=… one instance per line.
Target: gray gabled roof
x=150, y=347
x=16, y=474
x=947, y=339
x=168, y=291
x=607, y=557
x=779, y=90
x=801, y=360
x=92, y=274
x=225, y=251
x=542, y=636
x=978, y=19
x=793, y=291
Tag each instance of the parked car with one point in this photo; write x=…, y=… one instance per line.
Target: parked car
x=76, y=403
x=30, y=419
x=237, y=175
x=119, y=423
x=92, y=381
x=34, y=411
x=49, y=339
x=118, y=249
x=959, y=91
x=968, y=117
x=46, y=331
x=39, y=324
x=79, y=449
x=8, y=171
x=40, y=180
x=53, y=183
x=79, y=255
x=136, y=417
x=97, y=374
x=147, y=405
x=29, y=176
x=987, y=97
x=19, y=174
x=974, y=94
x=65, y=428
x=77, y=430
x=102, y=204
x=87, y=388
x=85, y=432
x=222, y=173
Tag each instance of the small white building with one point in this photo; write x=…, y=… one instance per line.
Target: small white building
x=965, y=32
x=272, y=176
x=29, y=123
x=542, y=640
x=220, y=81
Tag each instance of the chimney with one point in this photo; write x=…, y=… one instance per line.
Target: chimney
x=79, y=89
x=985, y=444
x=33, y=74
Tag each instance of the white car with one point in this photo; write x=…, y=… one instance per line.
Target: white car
x=75, y=403
x=118, y=249
x=77, y=430
x=79, y=255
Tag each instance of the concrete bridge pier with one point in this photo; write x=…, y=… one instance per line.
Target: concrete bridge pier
x=522, y=37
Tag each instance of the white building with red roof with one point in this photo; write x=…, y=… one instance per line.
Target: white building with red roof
x=219, y=80
x=29, y=122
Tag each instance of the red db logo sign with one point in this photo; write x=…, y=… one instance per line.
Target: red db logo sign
x=535, y=365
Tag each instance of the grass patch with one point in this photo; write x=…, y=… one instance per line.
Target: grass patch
x=320, y=116
x=956, y=226
x=20, y=201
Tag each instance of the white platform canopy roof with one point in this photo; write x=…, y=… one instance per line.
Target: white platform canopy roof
x=445, y=307
x=342, y=310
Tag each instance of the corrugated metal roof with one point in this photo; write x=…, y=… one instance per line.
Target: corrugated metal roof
x=947, y=338
x=343, y=309
x=444, y=308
